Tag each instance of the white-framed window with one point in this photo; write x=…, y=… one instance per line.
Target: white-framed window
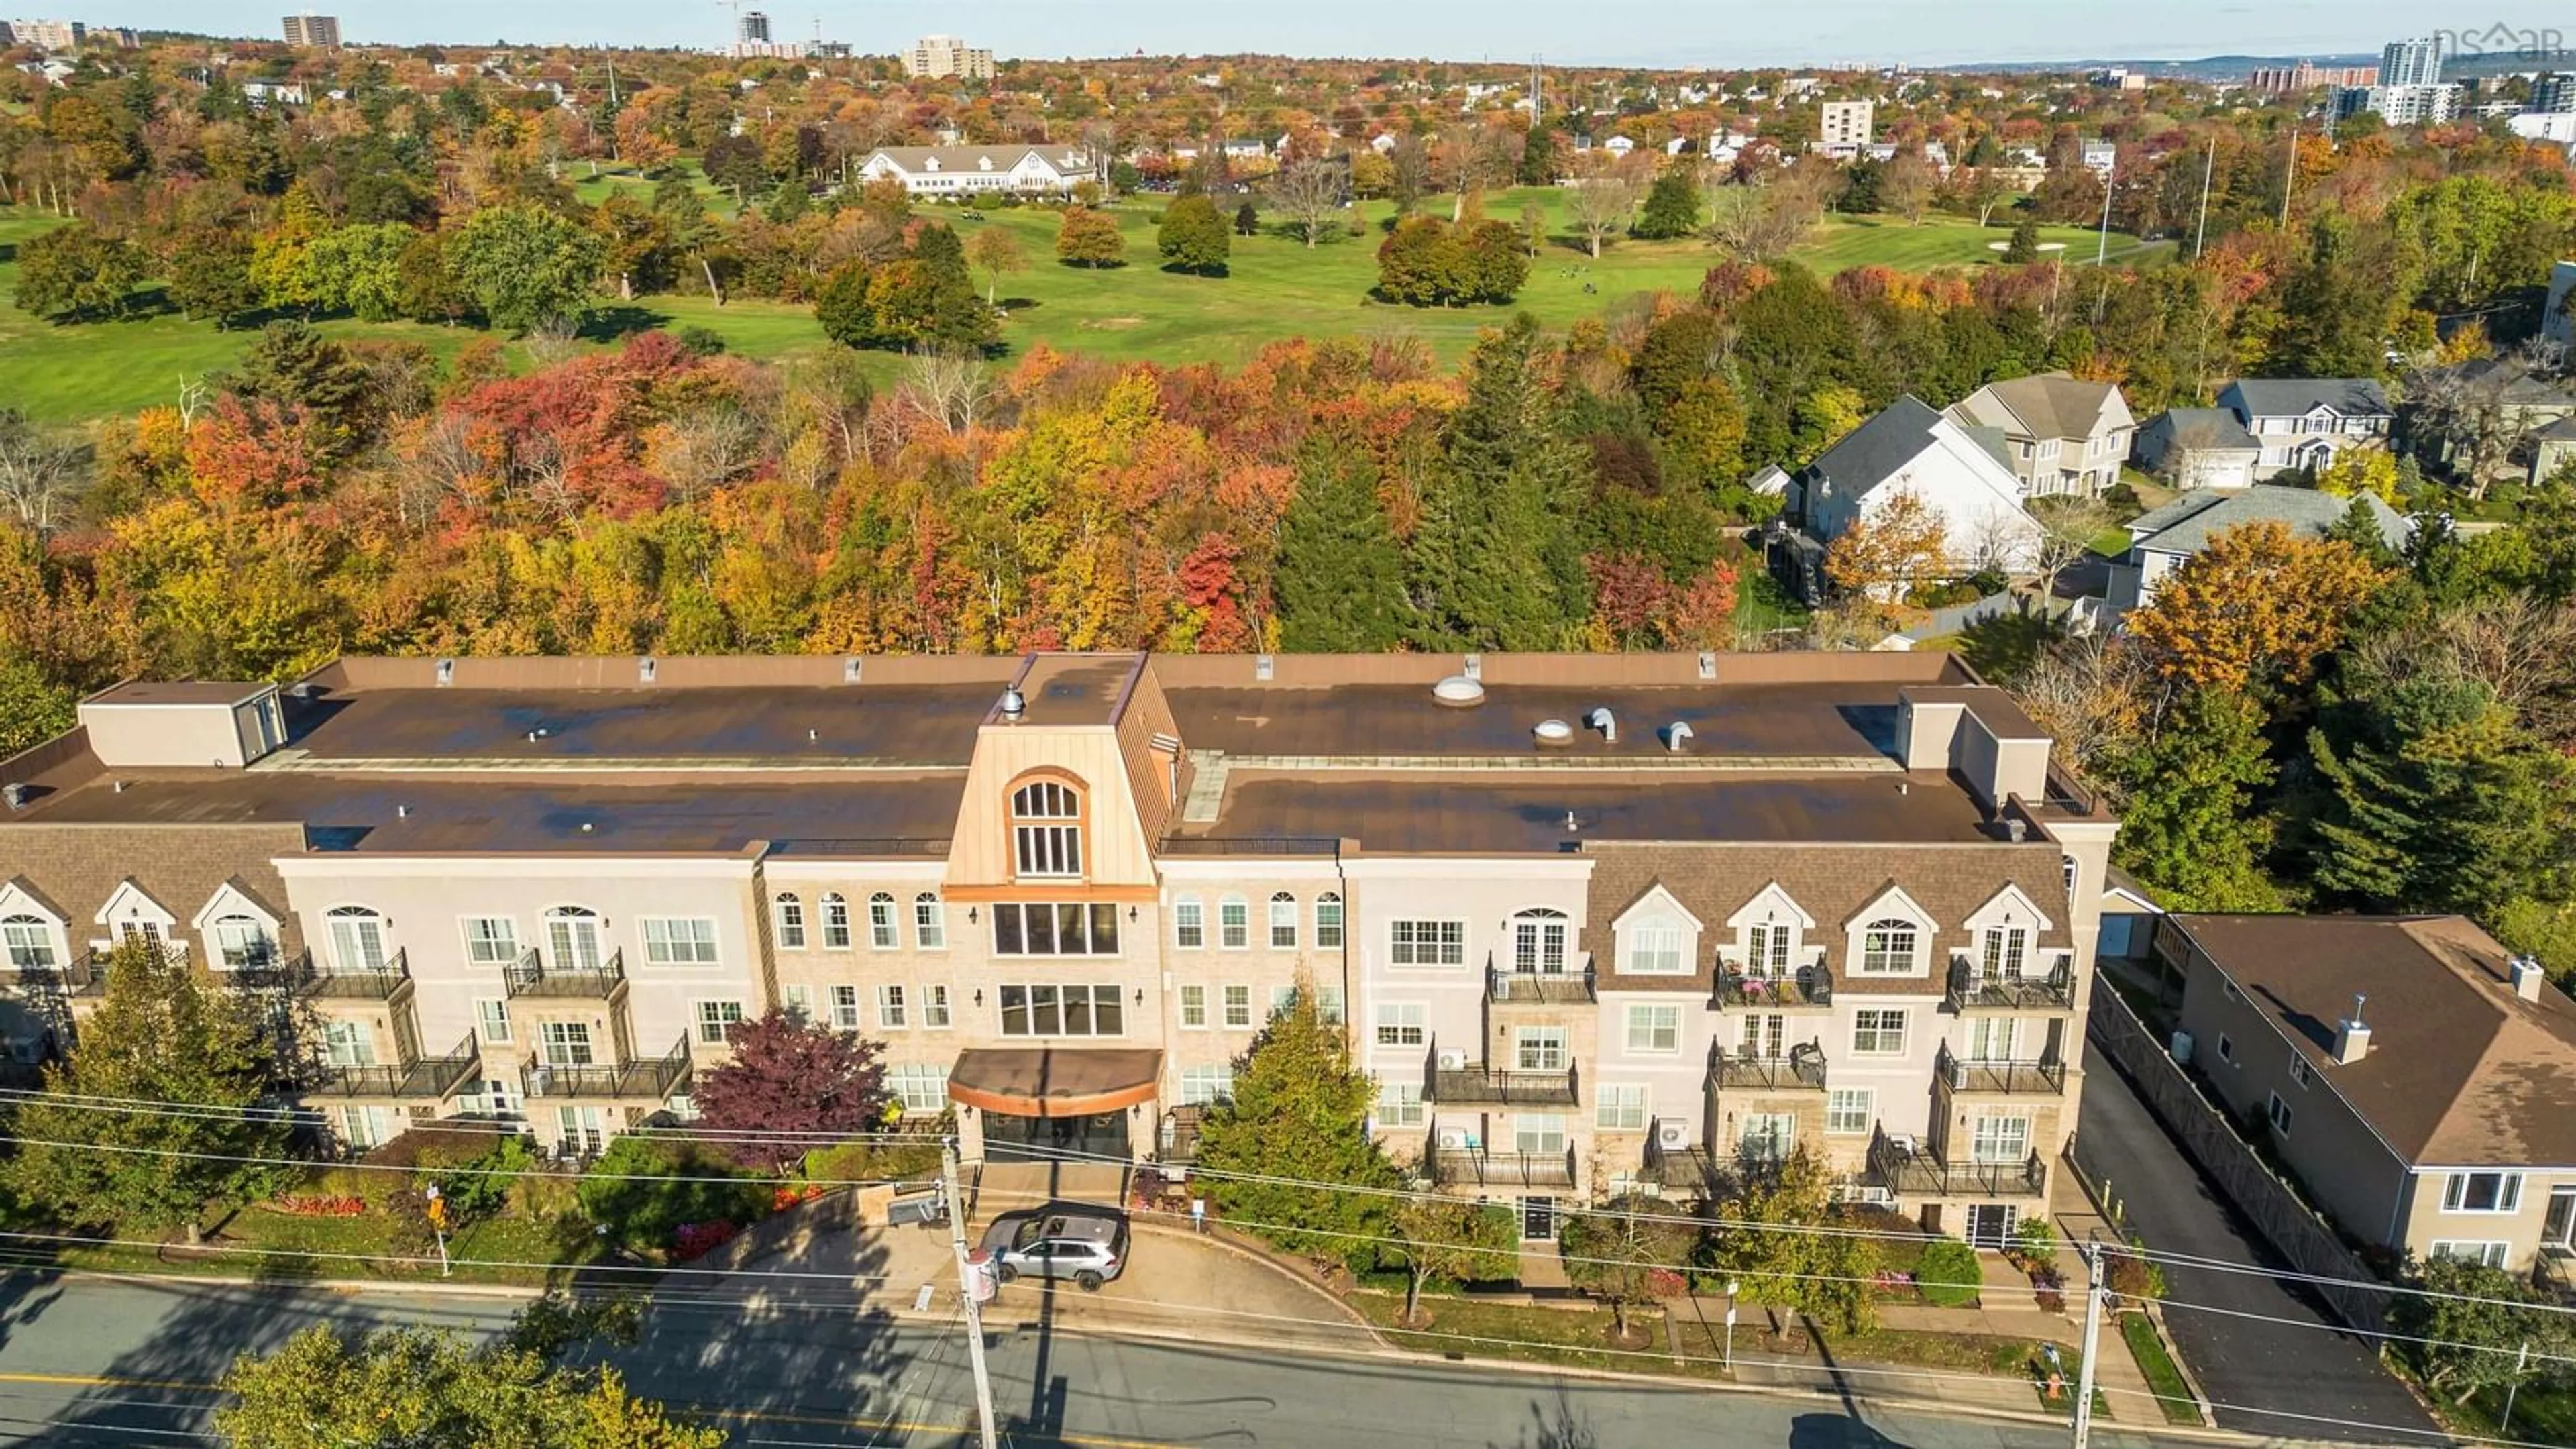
x=1655, y=949
x=1538, y=1049
x=1328, y=1003
x=1849, y=1111
x=2002, y=951
x=716, y=1021
x=836, y=922
x=1328, y=921
x=572, y=933
x=1402, y=1024
x=1767, y=947
x=881, y=927
x=492, y=1020
x=890, y=1007
x=1426, y=943
x=1282, y=998
x=1060, y=929
x=1046, y=831
x=2472, y=1250
x=2226, y=1049
x=1999, y=1137
x=1234, y=923
x=1189, y=923
x=2074, y=872
x=491, y=941
x=366, y=1127
x=1888, y=947
x=241, y=942
x=2277, y=1112
x=1538, y=1133
x=929, y=922
x=1538, y=941
x=791, y=922
x=1238, y=1008
x=1654, y=1030
x=565, y=1043
x=680, y=940
x=919, y=1086
x=1619, y=1106
x=934, y=1007
x=1878, y=1032
x=2482, y=1192
x=357, y=938
x=1203, y=1085
x=1283, y=922
x=1767, y=1136
x=845, y=1008
x=1194, y=1008
x=1050, y=1010
x=30, y=943
x=348, y=1044
x=581, y=1128
x=799, y=1001
x=2298, y=1069
x=1399, y=1104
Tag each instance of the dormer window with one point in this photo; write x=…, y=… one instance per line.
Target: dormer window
x=1046, y=831
x=1767, y=948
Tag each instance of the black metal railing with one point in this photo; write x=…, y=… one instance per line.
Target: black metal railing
x=1543, y=988
x=2041, y=1076
x=71, y=977
x=1802, y=1070
x=304, y=976
x=652, y=1079
x=1503, y=1169
x=1916, y=1172
x=1481, y=1084
x=1806, y=987
x=1971, y=989
x=533, y=976
x=1181, y=1134
x=430, y=1078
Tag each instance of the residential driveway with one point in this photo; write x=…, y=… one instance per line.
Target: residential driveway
x=2306, y=1366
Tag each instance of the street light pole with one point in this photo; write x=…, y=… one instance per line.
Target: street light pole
x=969, y=1292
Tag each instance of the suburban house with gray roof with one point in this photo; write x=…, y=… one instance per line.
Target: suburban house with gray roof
x=2302, y=422
x=2558, y=319
x=1960, y=472
x=2552, y=448
x=2196, y=448
x=2417, y=1078
x=2162, y=539
x=968, y=170
x=2061, y=434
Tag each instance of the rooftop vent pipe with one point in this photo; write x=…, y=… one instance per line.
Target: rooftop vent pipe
x=644, y=668
x=2526, y=970
x=1553, y=732
x=1603, y=720
x=1675, y=733
x=1014, y=704
x=2352, y=1036
x=15, y=792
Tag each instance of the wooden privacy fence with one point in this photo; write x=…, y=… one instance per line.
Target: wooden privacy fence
x=2303, y=1240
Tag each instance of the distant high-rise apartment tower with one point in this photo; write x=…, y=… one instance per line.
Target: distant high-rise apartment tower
x=48, y=34
x=2554, y=95
x=934, y=56
x=1844, y=127
x=320, y=32
x=2415, y=62
x=752, y=27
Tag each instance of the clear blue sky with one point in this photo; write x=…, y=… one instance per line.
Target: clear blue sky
x=1645, y=32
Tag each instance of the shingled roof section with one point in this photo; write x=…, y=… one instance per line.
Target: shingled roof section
x=2460, y=1072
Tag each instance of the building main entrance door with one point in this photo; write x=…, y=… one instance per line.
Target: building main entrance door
x=1009, y=1137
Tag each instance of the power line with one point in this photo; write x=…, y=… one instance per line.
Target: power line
x=458, y=1170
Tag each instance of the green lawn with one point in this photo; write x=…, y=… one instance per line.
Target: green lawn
x=258, y=1243
x=1277, y=288
x=2163, y=1377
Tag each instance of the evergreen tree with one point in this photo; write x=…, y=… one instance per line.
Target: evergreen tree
x=1496, y=563
x=2024, y=246
x=1672, y=206
x=1340, y=576
x=1299, y=1115
x=1247, y=220
x=2190, y=829
x=2336, y=312
x=1193, y=237
x=2359, y=528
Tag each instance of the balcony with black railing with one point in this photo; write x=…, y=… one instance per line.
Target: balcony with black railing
x=652, y=1079
x=1458, y=1166
x=1972, y=1076
x=412, y=1078
x=1479, y=1085
x=1802, y=1070
x=71, y=978
x=534, y=976
x=1972, y=989
x=1508, y=987
x=1909, y=1170
x=1808, y=988
x=301, y=975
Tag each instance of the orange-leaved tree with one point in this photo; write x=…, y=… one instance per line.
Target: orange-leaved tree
x=1879, y=557
x=2258, y=606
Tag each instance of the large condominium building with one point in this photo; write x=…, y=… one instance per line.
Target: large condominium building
x=1593, y=922
x=2553, y=94
x=935, y=56
x=1843, y=128
x=2401, y=105
x=319, y=32
x=48, y=34
x=2416, y=62
x=2298, y=80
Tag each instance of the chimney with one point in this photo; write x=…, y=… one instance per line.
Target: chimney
x=2352, y=1037
x=2527, y=977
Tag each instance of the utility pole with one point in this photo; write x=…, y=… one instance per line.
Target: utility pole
x=2290, y=172
x=969, y=1292
x=2098, y=1270
x=2200, y=240
x=2110, y=182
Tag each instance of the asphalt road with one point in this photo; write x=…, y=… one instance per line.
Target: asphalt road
x=2305, y=1366
x=98, y=1362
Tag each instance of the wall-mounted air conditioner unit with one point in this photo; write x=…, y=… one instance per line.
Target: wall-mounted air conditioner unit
x=1672, y=1136
x=1453, y=1061
x=1453, y=1139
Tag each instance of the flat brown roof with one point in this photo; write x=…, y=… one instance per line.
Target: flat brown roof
x=1075, y=689
x=180, y=691
x=1406, y=814
x=1788, y=720
x=896, y=724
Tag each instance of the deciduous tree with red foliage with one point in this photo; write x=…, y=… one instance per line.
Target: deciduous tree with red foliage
x=789, y=1075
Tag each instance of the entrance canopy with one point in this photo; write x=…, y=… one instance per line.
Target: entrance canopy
x=1054, y=1081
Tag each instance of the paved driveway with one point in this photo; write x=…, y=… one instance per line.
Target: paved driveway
x=2305, y=1367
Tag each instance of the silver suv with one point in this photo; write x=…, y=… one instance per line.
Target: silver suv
x=1085, y=1244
